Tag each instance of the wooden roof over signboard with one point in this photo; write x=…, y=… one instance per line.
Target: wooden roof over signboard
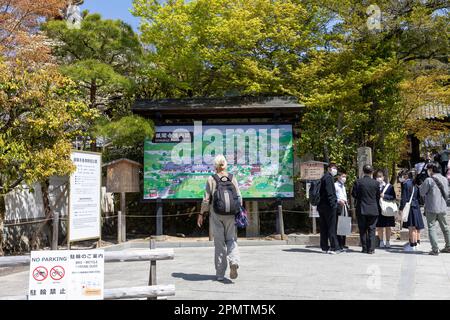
x=226, y=107
x=122, y=160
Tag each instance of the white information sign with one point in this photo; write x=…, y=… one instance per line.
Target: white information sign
x=84, y=200
x=48, y=275
x=86, y=275
x=66, y=275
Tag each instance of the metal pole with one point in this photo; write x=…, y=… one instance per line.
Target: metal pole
x=55, y=230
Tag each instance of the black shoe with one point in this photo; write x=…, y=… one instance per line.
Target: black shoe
x=433, y=253
x=345, y=247
x=371, y=252
x=363, y=251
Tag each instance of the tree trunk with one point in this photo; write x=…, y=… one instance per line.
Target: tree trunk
x=47, y=212
x=2, y=217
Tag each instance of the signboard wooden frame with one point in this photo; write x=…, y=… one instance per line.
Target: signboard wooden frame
x=315, y=172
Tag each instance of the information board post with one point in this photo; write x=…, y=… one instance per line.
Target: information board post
x=280, y=222
x=159, y=217
x=123, y=224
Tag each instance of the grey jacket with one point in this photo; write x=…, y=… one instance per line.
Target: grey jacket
x=434, y=201
x=209, y=190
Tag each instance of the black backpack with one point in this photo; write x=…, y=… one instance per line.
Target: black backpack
x=225, y=197
x=314, y=193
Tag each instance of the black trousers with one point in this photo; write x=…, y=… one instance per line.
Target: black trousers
x=327, y=223
x=367, y=226
x=341, y=239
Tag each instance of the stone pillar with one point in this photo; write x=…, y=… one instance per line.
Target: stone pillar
x=252, y=229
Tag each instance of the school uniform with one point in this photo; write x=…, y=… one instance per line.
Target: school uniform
x=415, y=216
x=341, y=194
x=327, y=214
x=366, y=192
x=389, y=194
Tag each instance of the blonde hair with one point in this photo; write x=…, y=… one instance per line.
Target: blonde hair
x=220, y=162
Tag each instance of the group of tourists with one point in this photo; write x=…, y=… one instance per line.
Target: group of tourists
x=429, y=187
x=222, y=199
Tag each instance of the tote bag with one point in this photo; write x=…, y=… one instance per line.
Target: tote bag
x=344, y=225
x=388, y=207
x=407, y=208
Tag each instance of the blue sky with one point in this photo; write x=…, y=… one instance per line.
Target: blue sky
x=112, y=9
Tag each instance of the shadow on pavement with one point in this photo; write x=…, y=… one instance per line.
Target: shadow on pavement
x=198, y=277
x=316, y=250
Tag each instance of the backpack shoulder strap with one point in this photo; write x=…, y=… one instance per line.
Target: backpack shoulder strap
x=230, y=176
x=216, y=177
x=385, y=187
x=440, y=187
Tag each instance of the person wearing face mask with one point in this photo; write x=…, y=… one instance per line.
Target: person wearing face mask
x=341, y=195
x=366, y=192
x=327, y=208
x=384, y=223
x=435, y=190
x=415, y=220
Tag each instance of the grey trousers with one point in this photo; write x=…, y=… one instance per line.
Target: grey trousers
x=432, y=220
x=225, y=246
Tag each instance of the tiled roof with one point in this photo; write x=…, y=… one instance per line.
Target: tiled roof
x=434, y=111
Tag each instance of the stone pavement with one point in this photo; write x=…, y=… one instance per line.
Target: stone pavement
x=286, y=272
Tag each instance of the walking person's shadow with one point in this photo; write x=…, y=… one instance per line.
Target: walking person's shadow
x=198, y=277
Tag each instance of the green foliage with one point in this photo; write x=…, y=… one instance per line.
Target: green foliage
x=40, y=115
x=224, y=47
x=102, y=57
x=128, y=131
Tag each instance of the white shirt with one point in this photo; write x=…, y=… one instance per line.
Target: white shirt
x=341, y=193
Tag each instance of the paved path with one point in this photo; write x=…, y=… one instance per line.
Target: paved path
x=286, y=272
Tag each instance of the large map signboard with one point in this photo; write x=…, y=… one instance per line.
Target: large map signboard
x=178, y=161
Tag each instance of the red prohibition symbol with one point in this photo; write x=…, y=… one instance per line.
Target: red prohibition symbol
x=57, y=273
x=40, y=273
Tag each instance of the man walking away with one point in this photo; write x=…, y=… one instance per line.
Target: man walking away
x=341, y=195
x=366, y=192
x=327, y=212
x=435, y=192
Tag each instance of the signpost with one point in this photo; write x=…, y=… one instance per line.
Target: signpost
x=310, y=171
x=84, y=199
x=66, y=275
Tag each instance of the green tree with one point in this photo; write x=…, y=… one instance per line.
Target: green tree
x=102, y=57
x=359, y=92
x=224, y=47
x=40, y=115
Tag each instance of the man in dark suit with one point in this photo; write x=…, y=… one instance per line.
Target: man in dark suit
x=366, y=192
x=327, y=212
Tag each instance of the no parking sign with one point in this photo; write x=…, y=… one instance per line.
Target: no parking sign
x=66, y=275
x=48, y=279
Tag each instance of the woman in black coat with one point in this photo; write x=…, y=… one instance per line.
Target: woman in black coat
x=415, y=220
x=384, y=223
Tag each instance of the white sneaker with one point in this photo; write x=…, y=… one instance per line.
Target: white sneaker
x=331, y=252
x=408, y=248
x=414, y=248
x=387, y=245
x=382, y=245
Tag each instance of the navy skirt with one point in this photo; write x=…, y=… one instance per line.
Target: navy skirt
x=384, y=221
x=414, y=219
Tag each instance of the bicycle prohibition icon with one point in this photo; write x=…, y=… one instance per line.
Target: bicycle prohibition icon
x=57, y=273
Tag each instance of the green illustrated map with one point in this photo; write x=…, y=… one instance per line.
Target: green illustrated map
x=179, y=160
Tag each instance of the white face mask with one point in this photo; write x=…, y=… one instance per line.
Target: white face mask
x=401, y=179
x=380, y=180
x=333, y=172
x=343, y=180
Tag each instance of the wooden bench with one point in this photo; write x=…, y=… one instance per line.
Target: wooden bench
x=152, y=291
